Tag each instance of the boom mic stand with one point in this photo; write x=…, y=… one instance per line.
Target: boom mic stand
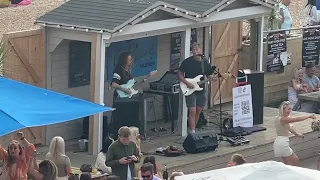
x=220, y=102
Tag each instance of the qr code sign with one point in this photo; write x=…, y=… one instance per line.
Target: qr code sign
x=245, y=108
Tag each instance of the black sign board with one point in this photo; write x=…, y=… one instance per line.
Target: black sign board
x=310, y=46
x=79, y=63
x=175, y=47
x=277, y=51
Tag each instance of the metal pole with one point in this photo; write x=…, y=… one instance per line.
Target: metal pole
x=306, y=27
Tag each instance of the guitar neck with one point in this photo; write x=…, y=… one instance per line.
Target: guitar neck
x=203, y=81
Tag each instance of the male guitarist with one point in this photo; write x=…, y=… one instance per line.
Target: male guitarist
x=190, y=68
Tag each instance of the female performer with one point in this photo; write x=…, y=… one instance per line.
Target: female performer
x=283, y=128
x=122, y=72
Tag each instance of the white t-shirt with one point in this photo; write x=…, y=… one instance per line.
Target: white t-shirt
x=311, y=15
x=129, y=173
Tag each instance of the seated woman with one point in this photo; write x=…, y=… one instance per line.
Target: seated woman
x=15, y=160
x=101, y=158
x=157, y=168
x=236, y=159
x=296, y=86
x=57, y=155
x=47, y=169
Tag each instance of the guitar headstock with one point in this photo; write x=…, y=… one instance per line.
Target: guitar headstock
x=152, y=73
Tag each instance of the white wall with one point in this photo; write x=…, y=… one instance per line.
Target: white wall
x=59, y=82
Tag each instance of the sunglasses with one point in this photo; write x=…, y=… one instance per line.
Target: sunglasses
x=147, y=176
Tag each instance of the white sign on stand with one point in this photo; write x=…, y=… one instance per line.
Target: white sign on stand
x=242, y=106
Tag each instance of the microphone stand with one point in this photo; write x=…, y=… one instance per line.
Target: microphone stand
x=220, y=103
x=217, y=71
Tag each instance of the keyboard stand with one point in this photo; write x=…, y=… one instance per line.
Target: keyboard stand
x=170, y=97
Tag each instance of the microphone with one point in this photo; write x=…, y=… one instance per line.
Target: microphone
x=214, y=68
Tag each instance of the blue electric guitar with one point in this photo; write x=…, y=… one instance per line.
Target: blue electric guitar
x=131, y=84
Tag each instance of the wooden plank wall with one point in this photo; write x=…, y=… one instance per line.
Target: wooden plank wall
x=25, y=62
x=226, y=43
x=275, y=84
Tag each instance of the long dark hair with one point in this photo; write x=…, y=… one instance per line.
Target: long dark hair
x=106, y=143
x=312, y=3
x=122, y=60
x=152, y=160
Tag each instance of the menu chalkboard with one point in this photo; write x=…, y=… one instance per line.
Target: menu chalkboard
x=79, y=63
x=310, y=46
x=175, y=47
x=277, y=51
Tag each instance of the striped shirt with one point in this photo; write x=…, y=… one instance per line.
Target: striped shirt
x=17, y=170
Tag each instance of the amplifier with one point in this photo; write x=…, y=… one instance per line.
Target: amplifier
x=256, y=79
x=169, y=83
x=200, y=142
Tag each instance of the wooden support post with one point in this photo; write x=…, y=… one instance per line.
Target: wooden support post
x=96, y=92
x=260, y=44
x=206, y=51
x=254, y=41
x=183, y=110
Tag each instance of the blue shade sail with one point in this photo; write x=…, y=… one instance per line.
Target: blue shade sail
x=23, y=105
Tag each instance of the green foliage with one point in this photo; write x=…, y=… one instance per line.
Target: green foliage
x=2, y=56
x=273, y=19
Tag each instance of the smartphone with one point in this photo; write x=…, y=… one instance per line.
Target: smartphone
x=129, y=158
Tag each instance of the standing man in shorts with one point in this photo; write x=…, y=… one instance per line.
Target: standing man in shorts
x=190, y=68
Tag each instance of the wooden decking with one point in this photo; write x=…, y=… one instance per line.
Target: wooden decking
x=259, y=149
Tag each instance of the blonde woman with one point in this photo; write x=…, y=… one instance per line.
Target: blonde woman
x=296, y=86
x=135, y=138
x=57, y=155
x=283, y=128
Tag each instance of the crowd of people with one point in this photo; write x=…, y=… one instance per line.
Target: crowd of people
x=117, y=159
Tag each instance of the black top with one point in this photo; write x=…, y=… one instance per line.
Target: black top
x=192, y=68
x=120, y=76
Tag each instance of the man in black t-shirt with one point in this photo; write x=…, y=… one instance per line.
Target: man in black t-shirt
x=190, y=68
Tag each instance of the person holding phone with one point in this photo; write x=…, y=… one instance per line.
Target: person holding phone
x=122, y=155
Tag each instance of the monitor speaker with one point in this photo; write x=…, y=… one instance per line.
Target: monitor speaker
x=256, y=80
x=200, y=142
x=126, y=113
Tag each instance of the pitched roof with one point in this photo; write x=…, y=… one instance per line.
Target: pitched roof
x=112, y=15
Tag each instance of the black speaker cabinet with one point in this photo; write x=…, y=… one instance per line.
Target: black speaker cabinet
x=256, y=79
x=200, y=142
x=126, y=113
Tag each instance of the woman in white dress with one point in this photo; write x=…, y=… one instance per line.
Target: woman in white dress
x=101, y=158
x=296, y=86
x=283, y=128
x=311, y=14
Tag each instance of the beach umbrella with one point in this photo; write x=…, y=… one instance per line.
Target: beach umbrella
x=268, y=170
x=23, y=105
